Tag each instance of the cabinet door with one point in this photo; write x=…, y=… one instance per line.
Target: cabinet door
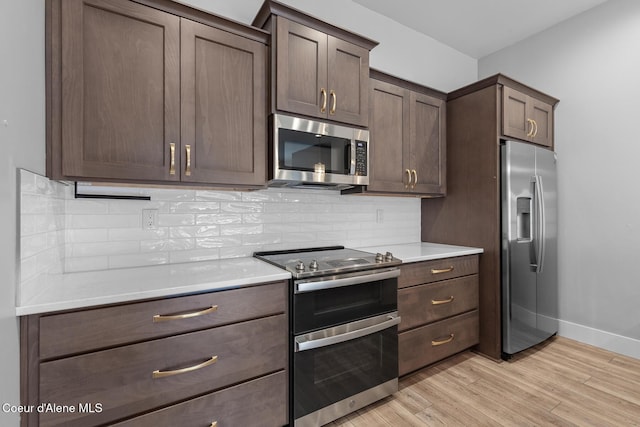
x=542, y=115
x=428, y=156
x=301, y=69
x=515, y=114
x=348, y=82
x=223, y=107
x=389, y=138
x=120, y=90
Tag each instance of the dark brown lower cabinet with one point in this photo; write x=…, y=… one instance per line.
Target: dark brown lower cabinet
x=191, y=377
x=438, y=304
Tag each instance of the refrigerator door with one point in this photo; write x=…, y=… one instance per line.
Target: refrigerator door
x=547, y=277
x=526, y=252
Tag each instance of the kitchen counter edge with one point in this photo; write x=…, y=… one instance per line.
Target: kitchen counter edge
x=58, y=292
x=423, y=251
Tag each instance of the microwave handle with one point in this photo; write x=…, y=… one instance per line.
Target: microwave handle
x=352, y=158
x=302, y=344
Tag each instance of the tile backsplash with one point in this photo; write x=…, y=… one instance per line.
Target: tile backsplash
x=61, y=233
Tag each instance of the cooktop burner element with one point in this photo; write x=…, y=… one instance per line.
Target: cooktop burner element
x=324, y=261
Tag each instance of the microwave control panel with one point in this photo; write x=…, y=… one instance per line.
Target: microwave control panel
x=361, y=158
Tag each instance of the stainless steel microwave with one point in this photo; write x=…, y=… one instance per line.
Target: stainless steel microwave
x=313, y=154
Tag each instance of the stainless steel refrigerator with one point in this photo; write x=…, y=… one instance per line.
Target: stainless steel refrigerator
x=529, y=246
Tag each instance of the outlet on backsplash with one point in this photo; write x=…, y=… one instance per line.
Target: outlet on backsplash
x=149, y=219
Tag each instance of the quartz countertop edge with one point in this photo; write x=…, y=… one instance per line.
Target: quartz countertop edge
x=423, y=251
x=57, y=292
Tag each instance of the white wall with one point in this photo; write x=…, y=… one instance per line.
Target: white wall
x=402, y=52
x=591, y=63
x=21, y=145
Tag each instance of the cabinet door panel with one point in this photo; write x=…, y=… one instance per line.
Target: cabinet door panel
x=301, y=67
x=515, y=114
x=123, y=379
x=389, y=110
x=120, y=90
x=427, y=143
x=542, y=113
x=348, y=78
x=223, y=106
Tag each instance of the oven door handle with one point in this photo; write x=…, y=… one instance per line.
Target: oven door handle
x=302, y=343
x=355, y=279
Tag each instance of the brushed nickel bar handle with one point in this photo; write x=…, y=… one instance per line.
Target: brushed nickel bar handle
x=165, y=317
x=162, y=374
x=535, y=125
x=444, y=341
x=530, y=132
x=442, y=301
x=172, y=162
x=323, y=92
x=214, y=424
x=442, y=270
x=334, y=104
x=415, y=178
x=187, y=171
x=408, y=172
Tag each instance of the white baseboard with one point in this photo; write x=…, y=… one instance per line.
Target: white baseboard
x=606, y=340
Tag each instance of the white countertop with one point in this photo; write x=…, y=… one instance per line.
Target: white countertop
x=86, y=289
x=423, y=251
x=78, y=290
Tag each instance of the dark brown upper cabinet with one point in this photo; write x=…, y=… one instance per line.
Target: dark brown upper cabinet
x=318, y=70
x=138, y=93
x=526, y=117
x=408, y=138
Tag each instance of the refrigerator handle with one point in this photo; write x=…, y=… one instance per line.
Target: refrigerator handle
x=540, y=220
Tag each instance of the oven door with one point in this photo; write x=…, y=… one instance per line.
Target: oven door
x=320, y=303
x=341, y=369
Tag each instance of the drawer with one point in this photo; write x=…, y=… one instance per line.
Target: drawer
x=428, y=344
x=88, y=330
x=418, y=305
x=124, y=379
x=418, y=273
x=266, y=397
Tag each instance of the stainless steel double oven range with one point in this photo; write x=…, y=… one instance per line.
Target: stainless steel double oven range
x=343, y=330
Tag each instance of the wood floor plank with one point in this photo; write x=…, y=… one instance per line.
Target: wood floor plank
x=559, y=383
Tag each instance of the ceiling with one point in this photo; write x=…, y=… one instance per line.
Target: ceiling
x=479, y=27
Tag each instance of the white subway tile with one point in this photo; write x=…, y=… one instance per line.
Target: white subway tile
x=136, y=206
x=104, y=248
x=138, y=233
x=167, y=245
x=138, y=260
x=281, y=227
x=218, y=196
x=298, y=217
x=194, y=255
x=27, y=181
x=281, y=207
x=28, y=224
x=262, y=239
x=262, y=196
x=87, y=206
x=238, y=251
x=194, y=207
x=31, y=245
x=158, y=194
x=33, y=204
x=86, y=235
x=218, y=242
x=91, y=263
x=244, y=207
x=240, y=229
x=28, y=268
x=261, y=218
x=191, y=231
x=102, y=221
x=299, y=237
x=206, y=219
x=171, y=220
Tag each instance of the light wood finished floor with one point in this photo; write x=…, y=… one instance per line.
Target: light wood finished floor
x=560, y=383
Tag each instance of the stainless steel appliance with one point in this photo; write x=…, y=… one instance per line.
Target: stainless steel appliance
x=344, y=333
x=307, y=153
x=529, y=246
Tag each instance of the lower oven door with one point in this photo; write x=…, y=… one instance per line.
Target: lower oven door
x=341, y=369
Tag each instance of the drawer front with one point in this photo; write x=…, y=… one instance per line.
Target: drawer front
x=122, y=379
x=89, y=330
x=428, y=344
x=266, y=397
x=440, y=269
x=418, y=305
